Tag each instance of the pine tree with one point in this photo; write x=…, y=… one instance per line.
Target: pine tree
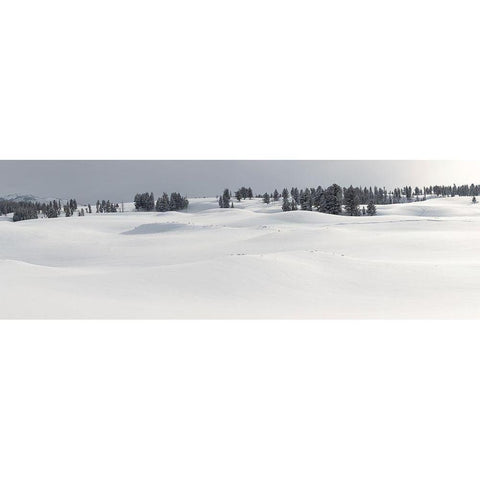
x=286, y=206
x=276, y=195
x=351, y=202
x=151, y=203
x=24, y=211
x=333, y=200
x=226, y=198
x=306, y=200
x=143, y=202
x=163, y=203
x=51, y=211
x=318, y=199
x=266, y=198
x=295, y=195
x=371, y=209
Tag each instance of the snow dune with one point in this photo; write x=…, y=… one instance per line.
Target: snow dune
x=418, y=260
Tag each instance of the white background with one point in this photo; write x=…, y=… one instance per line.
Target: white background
x=179, y=79
x=250, y=79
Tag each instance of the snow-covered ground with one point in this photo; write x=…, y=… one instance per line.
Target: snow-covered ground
x=417, y=260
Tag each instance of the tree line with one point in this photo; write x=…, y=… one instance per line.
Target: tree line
x=334, y=200
x=145, y=202
x=27, y=210
x=104, y=206
x=351, y=200
x=225, y=199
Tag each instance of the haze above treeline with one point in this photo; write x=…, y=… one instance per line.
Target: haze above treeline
x=90, y=180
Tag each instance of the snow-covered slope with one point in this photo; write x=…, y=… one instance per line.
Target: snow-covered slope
x=21, y=197
x=418, y=260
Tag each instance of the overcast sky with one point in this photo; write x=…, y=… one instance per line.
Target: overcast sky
x=90, y=180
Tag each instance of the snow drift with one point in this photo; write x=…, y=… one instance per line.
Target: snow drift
x=417, y=260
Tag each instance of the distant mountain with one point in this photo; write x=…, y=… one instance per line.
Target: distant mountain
x=18, y=197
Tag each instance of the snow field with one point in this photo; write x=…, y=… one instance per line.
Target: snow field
x=417, y=260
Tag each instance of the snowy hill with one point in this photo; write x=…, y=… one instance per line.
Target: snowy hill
x=20, y=197
x=416, y=260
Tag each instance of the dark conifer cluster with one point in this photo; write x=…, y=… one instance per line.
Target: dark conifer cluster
x=243, y=193
x=327, y=200
x=24, y=212
x=336, y=200
x=175, y=202
x=105, y=207
x=28, y=210
x=70, y=207
x=225, y=199
x=51, y=209
x=145, y=202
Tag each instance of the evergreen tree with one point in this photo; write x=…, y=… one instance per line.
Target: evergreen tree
x=226, y=198
x=371, y=209
x=266, y=198
x=318, y=199
x=306, y=199
x=163, y=204
x=351, y=202
x=295, y=195
x=286, y=206
x=150, y=203
x=52, y=210
x=177, y=202
x=333, y=200
x=24, y=211
x=276, y=195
